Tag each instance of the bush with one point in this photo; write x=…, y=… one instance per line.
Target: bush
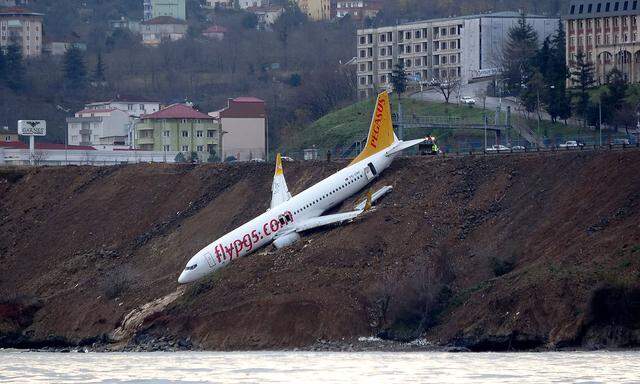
x=116, y=283
x=213, y=158
x=180, y=158
x=501, y=267
x=193, y=157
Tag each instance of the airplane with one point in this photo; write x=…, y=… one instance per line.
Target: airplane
x=289, y=216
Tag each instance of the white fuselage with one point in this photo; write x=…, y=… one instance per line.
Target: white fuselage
x=262, y=230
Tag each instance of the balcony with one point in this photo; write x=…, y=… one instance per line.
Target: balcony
x=144, y=140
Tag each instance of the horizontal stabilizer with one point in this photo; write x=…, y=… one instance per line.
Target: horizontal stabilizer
x=327, y=220
x=376, y=196
x=404, y=145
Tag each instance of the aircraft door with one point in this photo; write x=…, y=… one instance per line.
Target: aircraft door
x=370, y=171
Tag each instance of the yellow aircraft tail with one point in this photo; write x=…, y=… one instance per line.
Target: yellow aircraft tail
x=381, y=133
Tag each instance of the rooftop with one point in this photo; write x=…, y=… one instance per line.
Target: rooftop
x=17, y=11
x=586, y=9
x=44, y=145
x=215, y=29
x=96, y=111
x=163, y=20
x=491, y=15
x=177, y=111
x=243, y=107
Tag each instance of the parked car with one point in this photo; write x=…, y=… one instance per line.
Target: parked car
x=498, y=148
x=571, y=144
x=518, y=148
x=286, y=158
x=620, y=142
x=468, y=100
x=257, y=160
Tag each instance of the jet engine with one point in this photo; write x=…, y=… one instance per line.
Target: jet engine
x=286, y=240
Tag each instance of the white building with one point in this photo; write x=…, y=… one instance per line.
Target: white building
x=266, y=15
x=467, y=48
x=103, y=128
x=132, y=107
x=163, y=28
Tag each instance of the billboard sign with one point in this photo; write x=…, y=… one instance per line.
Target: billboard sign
x=32, y=127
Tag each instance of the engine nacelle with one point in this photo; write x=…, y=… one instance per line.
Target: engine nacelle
x=286, y=240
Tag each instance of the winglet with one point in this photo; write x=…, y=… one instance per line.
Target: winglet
x=278, y=165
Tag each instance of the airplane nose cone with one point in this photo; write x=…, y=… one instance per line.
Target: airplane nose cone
x=183, y=278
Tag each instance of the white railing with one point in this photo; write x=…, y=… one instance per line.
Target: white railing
x=82, y=157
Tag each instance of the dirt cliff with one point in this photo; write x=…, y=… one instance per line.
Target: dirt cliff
x=488, y=253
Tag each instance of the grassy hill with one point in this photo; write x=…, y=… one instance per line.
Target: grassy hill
x=349, y=124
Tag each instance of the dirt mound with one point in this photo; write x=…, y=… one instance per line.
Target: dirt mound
x=492, y=253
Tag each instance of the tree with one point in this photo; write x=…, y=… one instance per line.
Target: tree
x=557, y=100
x=15, y=68
x=582, y=77
x=98, y=72
x=447, y=84
x=75, y=73
x=180, y=158
x=613, y=100
x=3, y=66
x=213, y=157
x=250, y=21
x=290, y=19
x=399, y=79
x=519, y=54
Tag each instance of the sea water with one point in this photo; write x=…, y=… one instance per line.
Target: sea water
x=320, y=367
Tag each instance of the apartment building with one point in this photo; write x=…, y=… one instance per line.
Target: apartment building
x=464, y=48
x=156, y=8
x=244, y=123
x=607, y=33
x=163, y=29
x=317, y=9
x=134, y=107
x=178, y=127
x=23, y=27
x=358, y=9
x=107, y=127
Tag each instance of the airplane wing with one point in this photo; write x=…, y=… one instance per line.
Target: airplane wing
x=321, y=221
x=279, y=190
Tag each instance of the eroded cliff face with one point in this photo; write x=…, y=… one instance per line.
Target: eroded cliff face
x=508, y=252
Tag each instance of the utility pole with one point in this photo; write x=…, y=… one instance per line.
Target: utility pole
x=485, y=131
x=600, y=120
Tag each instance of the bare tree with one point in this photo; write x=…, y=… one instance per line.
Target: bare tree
x=447, y=83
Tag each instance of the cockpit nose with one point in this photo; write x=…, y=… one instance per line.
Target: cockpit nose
x=183, y=277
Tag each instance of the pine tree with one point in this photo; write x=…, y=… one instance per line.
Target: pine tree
x=75, y=72
x=3, y=66
x=98, y=72
x=613, y=99
x=558, y=101
x=582, y=77
x=15, y=68
x=399, y=79
x=519, y=55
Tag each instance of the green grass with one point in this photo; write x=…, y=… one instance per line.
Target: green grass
x=349, y=124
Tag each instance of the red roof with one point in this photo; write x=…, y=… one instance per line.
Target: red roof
x=248, y=99
x=18, y=11
x=177, y=111
x=215, y=29
x=163, y=20
x=44, y=145
x=244, y=107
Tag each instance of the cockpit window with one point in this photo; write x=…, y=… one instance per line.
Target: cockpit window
x=191, y=267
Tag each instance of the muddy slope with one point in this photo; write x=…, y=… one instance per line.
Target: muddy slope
x=495, y=253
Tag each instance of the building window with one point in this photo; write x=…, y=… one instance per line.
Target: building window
x=417, y=34
x=166, y=133
x=200, y=148
x=407, y=35
x=166, y=148
x=185, y=133
x=183, y=121
x=199, y=133
x=452, y=30
x=362, y=40
x=383, y=38
x=210, y=132
x=443, y=31
x=185, y=148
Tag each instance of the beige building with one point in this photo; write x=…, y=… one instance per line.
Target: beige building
x=8, y=136
x=316, y=9
x=244, y=126
x=23, y=27
x=607, y=33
